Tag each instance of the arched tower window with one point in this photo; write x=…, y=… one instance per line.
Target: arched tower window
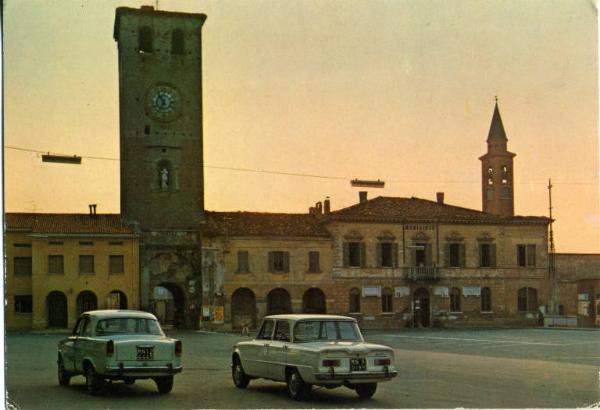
x=490, y=174
x=145, y=40
x=504, y=175
x=177, y=42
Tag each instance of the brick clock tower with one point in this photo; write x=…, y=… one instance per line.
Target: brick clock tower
x=497, y=171
x=162, y=182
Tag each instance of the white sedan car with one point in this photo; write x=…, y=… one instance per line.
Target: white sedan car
x=126, y=345
x=306, y=350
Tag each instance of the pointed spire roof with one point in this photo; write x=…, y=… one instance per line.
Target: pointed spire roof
x=496, y=128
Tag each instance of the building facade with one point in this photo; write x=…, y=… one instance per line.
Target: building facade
x=389, y=262
x=579, y=288
x=59, y=265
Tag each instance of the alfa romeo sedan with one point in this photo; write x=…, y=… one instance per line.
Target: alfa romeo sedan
x=306, y=350
x=126, y=345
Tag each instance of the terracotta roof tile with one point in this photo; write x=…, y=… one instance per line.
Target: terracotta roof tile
x=66, y=223
x=416, y=209
x=263, y=224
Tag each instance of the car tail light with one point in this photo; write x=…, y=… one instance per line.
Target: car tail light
x=331, y=363
x=382, y=362
x=178, y=348
x=110, y=348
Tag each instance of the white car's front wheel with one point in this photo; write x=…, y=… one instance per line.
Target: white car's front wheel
x=239, y=376
x=63, y=377
x=297, y=388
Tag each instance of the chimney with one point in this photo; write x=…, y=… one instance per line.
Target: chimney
x=92, y=209
x=362, y=197
x=440, y=198
x=327, y=205
x=147, y=8
x=319, y=207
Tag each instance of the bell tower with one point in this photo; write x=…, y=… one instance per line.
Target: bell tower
x=160, y=105
x=497, y=188
x=162, y=179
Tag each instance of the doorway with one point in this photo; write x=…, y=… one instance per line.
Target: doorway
x=421, y=311
x=57, y=309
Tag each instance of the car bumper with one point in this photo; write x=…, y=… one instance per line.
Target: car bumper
x=122, y=370
x=356, y=377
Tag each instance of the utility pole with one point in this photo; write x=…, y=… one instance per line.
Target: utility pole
x=551, y=259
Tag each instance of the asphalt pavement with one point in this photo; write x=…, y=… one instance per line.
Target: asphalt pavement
x=492, y=368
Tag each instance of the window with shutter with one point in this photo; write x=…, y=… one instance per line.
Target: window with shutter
x=243, y=264
x=116, y=264
x=354, y=254
x=86, y=264
x=385, y=254
x=22, y=265
x=279, y=262
x=313, y=262
x=23, y=304
x=55, y=264
x=454, y=257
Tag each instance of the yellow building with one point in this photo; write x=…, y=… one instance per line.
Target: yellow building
x=59, y=265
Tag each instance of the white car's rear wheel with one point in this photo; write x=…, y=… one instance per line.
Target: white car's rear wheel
x=93, y=383
x=164, y=384
x=297, y=388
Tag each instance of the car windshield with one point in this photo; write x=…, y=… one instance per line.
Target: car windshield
x=128, y=325
x=326, y=330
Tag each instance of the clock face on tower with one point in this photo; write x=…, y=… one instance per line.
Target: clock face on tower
x=163, y=102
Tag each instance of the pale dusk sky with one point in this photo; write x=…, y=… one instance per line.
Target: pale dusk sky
x=401, y=91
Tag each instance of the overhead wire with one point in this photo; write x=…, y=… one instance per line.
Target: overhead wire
x=306, y=175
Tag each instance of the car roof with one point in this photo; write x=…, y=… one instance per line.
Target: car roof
x=306, y=316
x=108, y=313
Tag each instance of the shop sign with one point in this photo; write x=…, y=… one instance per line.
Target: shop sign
x=441, y=291
x=402, y=291
x=471, y=291
x=371, y=291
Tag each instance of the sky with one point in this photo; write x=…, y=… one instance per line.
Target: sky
x=326, y=91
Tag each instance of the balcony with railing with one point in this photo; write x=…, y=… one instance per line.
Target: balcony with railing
x=422, y=273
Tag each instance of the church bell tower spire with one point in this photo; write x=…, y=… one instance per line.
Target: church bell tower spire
x=497, y=188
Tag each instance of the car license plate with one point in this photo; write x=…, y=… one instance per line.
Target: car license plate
x=358, y=365
x=145, y=352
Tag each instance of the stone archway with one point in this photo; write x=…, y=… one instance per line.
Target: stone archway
x=56, y=303
x=168, y=304
x=313, y=301
x=243, y=308
x=86, y=300
x=279, y=302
